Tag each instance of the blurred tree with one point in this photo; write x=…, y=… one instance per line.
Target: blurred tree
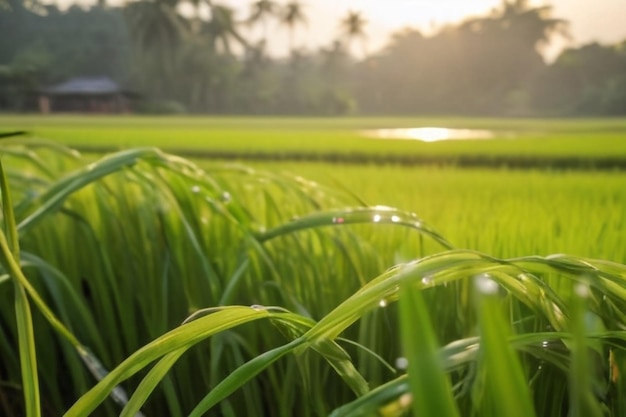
x=51, y=45
x=202, y=62
x=261, y=11
x=292, y=16
x=222, y=28
x=158, y=31
x=584, y=80
x=353, y=28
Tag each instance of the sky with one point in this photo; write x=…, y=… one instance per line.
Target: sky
x=591, y=20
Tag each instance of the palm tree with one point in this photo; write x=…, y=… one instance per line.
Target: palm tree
x=155, y=24
x=157, y=31
x=353, y=27
x=534, y=24
x=292, y=15
x=533, y=27
x=222, y=28
x=261, y=11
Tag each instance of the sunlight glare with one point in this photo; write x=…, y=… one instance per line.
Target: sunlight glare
x=422, y=13
x=430, y=134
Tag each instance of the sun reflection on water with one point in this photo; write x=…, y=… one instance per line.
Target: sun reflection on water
x=430, y=134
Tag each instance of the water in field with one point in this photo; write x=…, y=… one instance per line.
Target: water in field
x=430, y=134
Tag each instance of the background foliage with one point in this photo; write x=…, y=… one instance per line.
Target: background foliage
x=199, y=62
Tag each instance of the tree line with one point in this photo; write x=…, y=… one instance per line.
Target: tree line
x=196, y=56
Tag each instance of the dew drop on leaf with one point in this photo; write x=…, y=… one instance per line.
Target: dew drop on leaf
x=402, y=363
x=427, y=280
x=486, y=285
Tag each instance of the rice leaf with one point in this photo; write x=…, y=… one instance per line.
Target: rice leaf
x=369, y=215
x=583, y=376
x=242, y=375
x=507, y=387
x=430, y=385
x=10, y=252
x=182, y=337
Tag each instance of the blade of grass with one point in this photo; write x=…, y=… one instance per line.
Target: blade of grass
x=430, y=385
x=183, y=336
x=368, y=215
x=242, y=375
x=507, y=387
x=582, y=376
x=24, y=320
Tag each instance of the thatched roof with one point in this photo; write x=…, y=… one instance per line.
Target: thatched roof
x=86, y=86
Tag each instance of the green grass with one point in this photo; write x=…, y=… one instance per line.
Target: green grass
x=533, y=137
x=503, y=212
x=251, y=291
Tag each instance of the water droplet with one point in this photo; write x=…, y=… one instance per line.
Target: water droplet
x=405, y=400
x=338, y=220
x=195, y=189
x=486, y=285
x=226, y=197
x=382, y=303
x=545, y=344
x=395, y=219
x=402, y=363
x=257, y=307
x=582, y=290
x=376, y=218
x=427, y=280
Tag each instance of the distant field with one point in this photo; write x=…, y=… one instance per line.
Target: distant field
x=520, y=138
x=503, y=212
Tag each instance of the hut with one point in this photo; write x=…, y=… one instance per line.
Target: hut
x=86, y=95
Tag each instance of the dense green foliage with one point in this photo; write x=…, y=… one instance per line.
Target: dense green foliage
x=210, y=63
x=125, y=248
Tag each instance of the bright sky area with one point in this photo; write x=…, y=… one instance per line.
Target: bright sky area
x=600, y=20
x=591, y=20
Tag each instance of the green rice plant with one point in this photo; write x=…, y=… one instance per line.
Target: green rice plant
x=168, y=274
x=503, y=212
x=168, y=203
x=10, y=259
x=487, y=378
x=430, y=387
x=576, y=140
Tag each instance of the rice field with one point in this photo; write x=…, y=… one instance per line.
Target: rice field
x=142, y=283
x=504, y=212
x=535, y=138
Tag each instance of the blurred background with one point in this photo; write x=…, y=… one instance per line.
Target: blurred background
x=322, y=57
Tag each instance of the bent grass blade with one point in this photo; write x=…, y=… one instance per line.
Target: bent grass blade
x=182, y=337
x=9, y=247
x=360, y=215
